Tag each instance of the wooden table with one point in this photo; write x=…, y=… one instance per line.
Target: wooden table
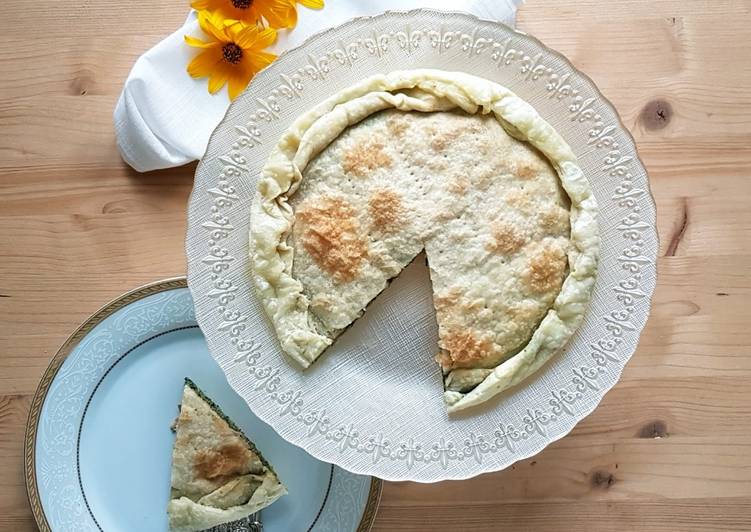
x=670, y=446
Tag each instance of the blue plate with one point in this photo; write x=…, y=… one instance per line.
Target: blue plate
x=98, y=444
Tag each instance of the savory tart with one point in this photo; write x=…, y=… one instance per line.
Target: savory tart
x=218, y=475
x=442, y=162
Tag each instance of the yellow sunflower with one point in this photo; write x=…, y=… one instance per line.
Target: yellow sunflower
x=278, y=13
x=234, y=53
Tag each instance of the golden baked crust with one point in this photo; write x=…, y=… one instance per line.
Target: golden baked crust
x=364, y=157
x=449, y=163
x=386, y=210
x=505, y=237
x=329, y=231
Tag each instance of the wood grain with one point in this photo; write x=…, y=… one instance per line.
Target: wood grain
x=669, y=446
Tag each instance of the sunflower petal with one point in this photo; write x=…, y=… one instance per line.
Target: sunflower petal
x=259, y=60
x=218, y=78
x=230, y=14
x=198, y=43
x=279, y=13
x=243, y=35
x=311, y=4
x=249, y=37
x=266, y=38
x=238, y=81
x=199, y=5
x=205, y=63
x=231, y=22
x=212, y=25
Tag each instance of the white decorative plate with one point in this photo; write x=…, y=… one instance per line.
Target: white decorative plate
x=98, y=441
x=373, y=403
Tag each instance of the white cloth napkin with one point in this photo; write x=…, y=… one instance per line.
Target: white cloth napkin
x=164, y=118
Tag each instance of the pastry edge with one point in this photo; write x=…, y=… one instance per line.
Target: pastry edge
x=186, y=515
x=272, y=217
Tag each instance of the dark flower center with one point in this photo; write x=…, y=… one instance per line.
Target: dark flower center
x=232, y=53
x=242, y=4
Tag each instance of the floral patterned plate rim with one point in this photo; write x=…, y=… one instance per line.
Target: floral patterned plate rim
x=126, y=363
x=372, y=403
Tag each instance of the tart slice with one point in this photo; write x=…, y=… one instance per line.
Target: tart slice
x=218, y=475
